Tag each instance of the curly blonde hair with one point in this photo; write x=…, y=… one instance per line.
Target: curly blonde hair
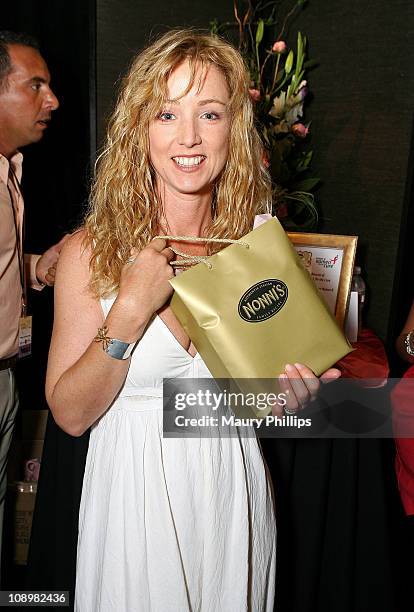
x=124, y=211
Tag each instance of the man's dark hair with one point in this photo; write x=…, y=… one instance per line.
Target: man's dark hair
x=12, y=38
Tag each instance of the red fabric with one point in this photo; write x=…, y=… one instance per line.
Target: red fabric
x=368, y=361
x=402, y=399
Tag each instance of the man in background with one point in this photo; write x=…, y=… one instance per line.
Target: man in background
x=26, y=106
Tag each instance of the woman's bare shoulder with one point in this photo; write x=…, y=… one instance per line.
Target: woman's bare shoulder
x=73, y=264
x=77, y=246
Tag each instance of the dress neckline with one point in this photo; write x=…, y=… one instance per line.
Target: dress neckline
x=176, y=342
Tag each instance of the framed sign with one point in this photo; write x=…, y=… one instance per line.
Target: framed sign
x=329, y=260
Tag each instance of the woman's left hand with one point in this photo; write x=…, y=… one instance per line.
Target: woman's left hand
x=301, y=386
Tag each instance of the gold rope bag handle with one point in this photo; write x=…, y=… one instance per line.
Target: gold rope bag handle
x=189, y=260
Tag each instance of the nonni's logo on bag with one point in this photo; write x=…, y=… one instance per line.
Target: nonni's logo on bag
x=263, y=300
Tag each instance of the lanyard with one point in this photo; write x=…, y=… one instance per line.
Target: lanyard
x=13, y=178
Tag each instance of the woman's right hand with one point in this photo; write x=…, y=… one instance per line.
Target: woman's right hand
x=144, y=285
x=82, y=379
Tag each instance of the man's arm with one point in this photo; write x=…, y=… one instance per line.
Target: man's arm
x=41, y=268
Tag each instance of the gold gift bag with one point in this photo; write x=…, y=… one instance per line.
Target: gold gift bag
x=252, y=308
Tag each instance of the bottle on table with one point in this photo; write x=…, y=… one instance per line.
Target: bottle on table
x=358, y=285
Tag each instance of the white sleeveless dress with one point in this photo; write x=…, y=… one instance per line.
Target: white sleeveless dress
x=171, y=525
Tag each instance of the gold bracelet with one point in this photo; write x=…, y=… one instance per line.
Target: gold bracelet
x=102, y=336
x=118, y=349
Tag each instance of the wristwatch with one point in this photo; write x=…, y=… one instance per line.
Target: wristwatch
x=118, y=349
x=409, y=343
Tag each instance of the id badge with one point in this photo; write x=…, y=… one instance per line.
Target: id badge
x=25, y=337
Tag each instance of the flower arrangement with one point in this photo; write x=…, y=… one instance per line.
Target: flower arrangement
x=278, y=88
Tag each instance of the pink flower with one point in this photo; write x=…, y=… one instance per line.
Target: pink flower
x=279, y=47
x=265, y=159
x=298, y=129
x=254, y=94
x=282, y=211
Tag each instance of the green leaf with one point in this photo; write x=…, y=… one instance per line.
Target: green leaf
x=307, y=184
x=259, y=32
x=310, y=64
x=302, y=162
x=296, y=81
x=300, y=45
x=309, y=155
x=289, y=62
x=300, y=55
x=214, y=26
x=303, y=213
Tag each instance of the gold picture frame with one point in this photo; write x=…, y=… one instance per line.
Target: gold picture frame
x=335, y=282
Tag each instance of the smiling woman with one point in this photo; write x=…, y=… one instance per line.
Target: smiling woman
x=196, y=530
x=164, y=524
x=208, y=105
x=189, y=139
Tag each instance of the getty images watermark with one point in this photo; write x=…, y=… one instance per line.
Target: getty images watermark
x=221, y=409
x=345, y=408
